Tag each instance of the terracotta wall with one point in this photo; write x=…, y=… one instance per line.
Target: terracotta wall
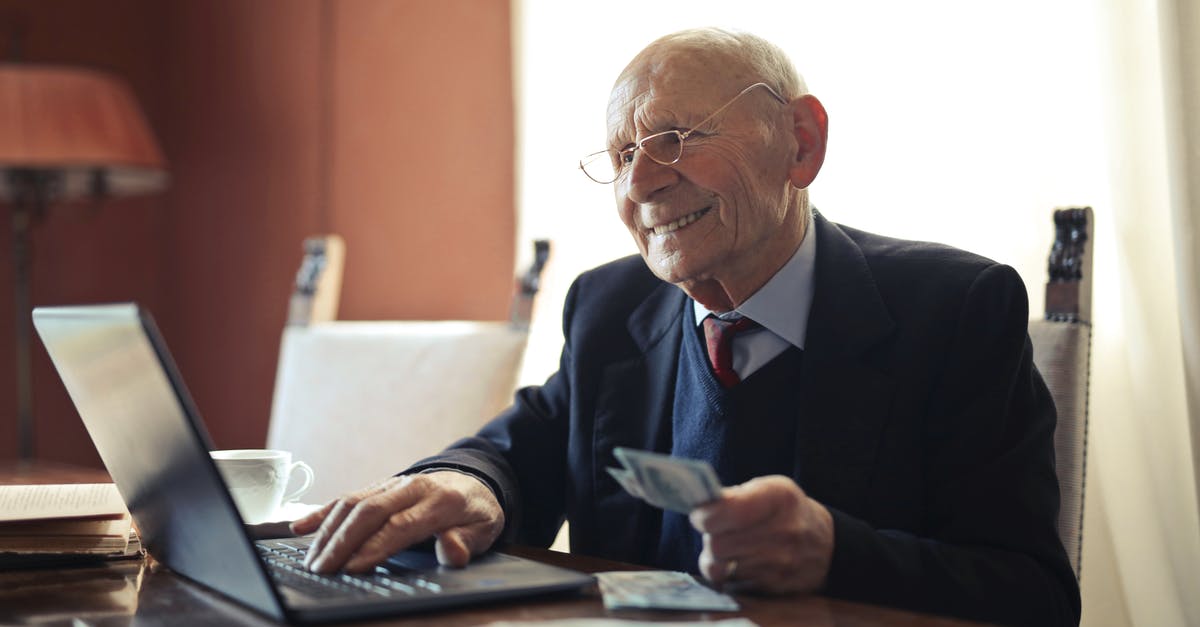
x=387, y=121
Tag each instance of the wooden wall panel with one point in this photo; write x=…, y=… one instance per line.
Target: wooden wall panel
x=422, y=157
x=243, y=118
x=387, y=121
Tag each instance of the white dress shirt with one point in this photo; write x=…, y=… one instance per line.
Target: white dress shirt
x=781, y=306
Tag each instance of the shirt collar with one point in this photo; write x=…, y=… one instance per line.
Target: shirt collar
x=783, y=303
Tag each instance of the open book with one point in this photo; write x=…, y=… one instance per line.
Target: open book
x=64, y=520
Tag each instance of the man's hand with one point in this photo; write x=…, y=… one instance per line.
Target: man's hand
x=362, y=529
x=766, y=535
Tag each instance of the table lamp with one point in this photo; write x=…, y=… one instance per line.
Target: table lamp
x=65, y=134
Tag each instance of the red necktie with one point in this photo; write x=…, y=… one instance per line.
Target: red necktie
x=718, y=336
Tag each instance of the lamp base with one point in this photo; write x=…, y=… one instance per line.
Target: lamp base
x=31, y=191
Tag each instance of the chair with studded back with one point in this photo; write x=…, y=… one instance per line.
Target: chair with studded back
x=360, y=401
x=1061, y=351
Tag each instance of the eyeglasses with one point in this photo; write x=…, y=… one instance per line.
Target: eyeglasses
x=665, y=148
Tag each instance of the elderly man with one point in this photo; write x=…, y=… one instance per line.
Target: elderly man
x=871, y=402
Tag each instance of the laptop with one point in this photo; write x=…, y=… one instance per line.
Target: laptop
x=116, y=367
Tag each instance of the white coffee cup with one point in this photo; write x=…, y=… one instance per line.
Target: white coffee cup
x=258, y=478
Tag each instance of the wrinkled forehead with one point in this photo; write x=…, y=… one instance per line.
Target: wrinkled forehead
x=665, y=89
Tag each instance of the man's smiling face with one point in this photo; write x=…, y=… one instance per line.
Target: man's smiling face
x=713, y=215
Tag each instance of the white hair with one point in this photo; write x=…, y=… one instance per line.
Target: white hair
x=761, y=59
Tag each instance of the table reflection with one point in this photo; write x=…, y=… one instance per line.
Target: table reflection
x=54, y=595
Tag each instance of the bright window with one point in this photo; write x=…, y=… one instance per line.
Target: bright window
x=958, y=122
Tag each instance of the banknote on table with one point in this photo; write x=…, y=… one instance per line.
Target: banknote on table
x=660, y=590
x=672, y=483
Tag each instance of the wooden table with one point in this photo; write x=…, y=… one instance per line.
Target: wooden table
x=142, y=592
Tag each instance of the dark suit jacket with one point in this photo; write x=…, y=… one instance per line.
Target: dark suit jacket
x=924, y=428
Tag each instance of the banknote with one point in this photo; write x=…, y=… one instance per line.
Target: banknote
x=660, y=589
x=627, y=480
x=672, y=483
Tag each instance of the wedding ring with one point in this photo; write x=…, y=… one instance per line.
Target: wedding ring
x=730, y=568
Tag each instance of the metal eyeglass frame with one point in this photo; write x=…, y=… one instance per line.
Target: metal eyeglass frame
x=625, y=156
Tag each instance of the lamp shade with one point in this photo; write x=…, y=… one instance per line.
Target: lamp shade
x=83, y=126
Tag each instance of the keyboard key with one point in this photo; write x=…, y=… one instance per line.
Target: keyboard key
x=286, y=565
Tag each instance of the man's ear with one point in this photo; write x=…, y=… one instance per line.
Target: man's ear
x=810, y=124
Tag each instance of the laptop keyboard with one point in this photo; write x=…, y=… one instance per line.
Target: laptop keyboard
x=285, y=562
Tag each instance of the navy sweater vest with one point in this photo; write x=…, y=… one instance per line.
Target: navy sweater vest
x=746, y=431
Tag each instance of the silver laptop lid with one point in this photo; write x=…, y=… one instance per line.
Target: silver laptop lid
x=141, y=418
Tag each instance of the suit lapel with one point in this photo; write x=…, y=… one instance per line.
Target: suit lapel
x=845, y=396
x=633, y=409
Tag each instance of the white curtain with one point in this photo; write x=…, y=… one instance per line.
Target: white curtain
x=1181, y=35
x=959, y=122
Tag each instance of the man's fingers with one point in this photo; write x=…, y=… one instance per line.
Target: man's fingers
x=462, y=524
x=337, y=513
x=417, y=521
x=761, y=539
x=747, y=573
x=452, y=548
x=312, y=522
x=739, y=556
x=456, y=546
x=358, y=535
x=331, y=517
x=716, y=570
x=354, y=520
x=744, y=505
x=767, y=535
x=399, y=531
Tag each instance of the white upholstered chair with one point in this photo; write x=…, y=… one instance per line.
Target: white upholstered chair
x=1061, y=351
x=361, y=401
